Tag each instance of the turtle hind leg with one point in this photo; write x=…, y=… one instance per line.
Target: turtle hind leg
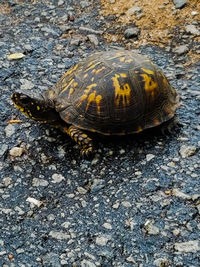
x=80, y=137
x=169, y=126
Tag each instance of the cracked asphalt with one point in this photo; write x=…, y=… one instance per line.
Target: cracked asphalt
x=137, y=202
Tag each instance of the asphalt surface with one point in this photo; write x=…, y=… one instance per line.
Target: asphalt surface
x=136, y=203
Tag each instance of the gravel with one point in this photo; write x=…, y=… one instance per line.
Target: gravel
x=136, y=203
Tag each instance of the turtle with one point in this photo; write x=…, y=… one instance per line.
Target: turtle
x=113, y=92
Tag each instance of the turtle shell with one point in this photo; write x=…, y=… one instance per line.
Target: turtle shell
x=114, y=92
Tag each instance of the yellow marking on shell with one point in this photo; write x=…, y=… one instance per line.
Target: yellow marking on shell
x=75, y=84
x=71, y=70
x=123, y=132
x=38, y=108
x=67, y=85
x=89, y=87
x=85, y=75
x=123, y=91
x=123, y=75
x=92, y=66
x=148, y=71
x=122, y=59
x=92, y=79
x=98, y=100
x=139, y=129
x=83, y=97
x=93, y=98
x=149, y=84
x=96, y=71
x=128, y=60
x=71, y=90
x=157, y=122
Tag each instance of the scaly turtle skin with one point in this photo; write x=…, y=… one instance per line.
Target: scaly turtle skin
x=116, y=92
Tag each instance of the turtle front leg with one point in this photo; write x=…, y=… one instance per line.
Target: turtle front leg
x=81, y=138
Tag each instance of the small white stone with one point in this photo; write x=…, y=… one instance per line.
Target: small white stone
x=16, y=151
x=131, y=259
x=187, y=151
x=176, y=232
x=66, y=224
x=194, y=13
x=176, y=192
x=115, y=206
x=151, y=229
x=7, y=181
x=189, y=246
x=26, y=84
x=9, y=130
x=161, y=262
x=126, y=204
x=102, y=240
x=39, y=182
x=107, y=226
x=59, y=235
x=86, y=263
x=51, y=217
x=57, y=178
x=81, y=190
x=149, y=157
x=34, y=201
x=122, y=151
x=93, y=39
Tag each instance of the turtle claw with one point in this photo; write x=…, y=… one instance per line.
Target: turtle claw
x=86, y=152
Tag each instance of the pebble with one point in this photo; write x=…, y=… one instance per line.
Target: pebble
x=102, y=240
x=87, y=263
x=131, y=259
x=187, y=151
x=97, y=184
x=179, y=3
x=189, y=246
x=81, y=190
x=131, y=32
x=192, y=29
x=60, y=235
x=180, y=50
x=149, y=157
x=85, y=4
x=176, y=192
x=194, y=13
x=7, y=181
x=51, y=259
x=93, y=39
x=135, y=10
x=9, y=130
x=151, y=229
x=34, y=201
x=26, y=84
x=39, y=182
x=126, y=204
x=57, y=178
x=107, y=226
x=16, y=151
x=122, y=151
x=161, y=262
x=3, y=149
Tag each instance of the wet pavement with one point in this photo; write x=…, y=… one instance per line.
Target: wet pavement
x=136, y=203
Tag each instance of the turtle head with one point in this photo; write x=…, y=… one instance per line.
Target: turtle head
x=35, y=108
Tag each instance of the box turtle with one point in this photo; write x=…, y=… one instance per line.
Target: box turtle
x=116, y=92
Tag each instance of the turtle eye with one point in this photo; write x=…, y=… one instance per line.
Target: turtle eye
x=25, y=99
